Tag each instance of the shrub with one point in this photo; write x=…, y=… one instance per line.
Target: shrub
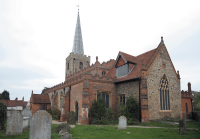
x=3, y=115
x=130, y=111
x=99, y=114
x=196, y=116
x=49, y=111
x=56, y=114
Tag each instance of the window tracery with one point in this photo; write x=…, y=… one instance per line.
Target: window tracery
x=164, y=94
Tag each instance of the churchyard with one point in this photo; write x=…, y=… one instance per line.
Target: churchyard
x=146, y=130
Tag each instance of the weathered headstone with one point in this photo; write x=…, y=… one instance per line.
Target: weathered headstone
x=184, y=121
x=14, y=123
x=71, y=117
x=122, y=122
x=180, y=127
x=64, y=127
x=65, y=135
x=27, y=113
x=40, y=125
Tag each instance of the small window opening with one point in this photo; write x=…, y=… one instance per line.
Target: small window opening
x=81, y=65
x=68, y=66
x=103, y=73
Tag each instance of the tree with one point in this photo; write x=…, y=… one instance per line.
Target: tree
x=1, y=96
x=197, y=102
x=5, y=94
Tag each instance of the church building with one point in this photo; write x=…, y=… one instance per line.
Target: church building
x=150, y=77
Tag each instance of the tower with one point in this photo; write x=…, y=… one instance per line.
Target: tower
x=76, y=59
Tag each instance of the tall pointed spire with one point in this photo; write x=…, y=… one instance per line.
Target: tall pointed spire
x=78, y=42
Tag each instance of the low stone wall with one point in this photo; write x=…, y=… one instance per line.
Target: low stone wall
x=25, y=123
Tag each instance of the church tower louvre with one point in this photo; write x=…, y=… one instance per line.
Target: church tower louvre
x=76, y=59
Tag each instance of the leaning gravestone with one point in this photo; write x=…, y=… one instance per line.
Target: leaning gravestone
x=40, y=125
x=184, y=121
x=180, y=127
x=122, y=122
x=14, y=123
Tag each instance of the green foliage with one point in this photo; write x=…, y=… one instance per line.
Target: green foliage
x=196, y=103
x=5, y=94
x=196, y=115
x=1, y=97
x=3, y=115
x=49, y=111
x=99, y=114
x=56, y=114
x=130, y=111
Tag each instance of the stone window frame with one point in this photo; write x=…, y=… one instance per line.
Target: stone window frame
x=164, y=95
x=105, y=92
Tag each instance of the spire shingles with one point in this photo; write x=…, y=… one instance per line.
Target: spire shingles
x=78, y=42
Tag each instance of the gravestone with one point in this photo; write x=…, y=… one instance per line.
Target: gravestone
x=27, y=113
x=122, y=122
x=184, y=121
x=65, y=135
x=71, y=117
x=180, y=127
x=14, y=123
x=64, y=127
x=40, y=125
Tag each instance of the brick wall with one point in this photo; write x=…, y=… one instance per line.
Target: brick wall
x=120, y=62
x=155, y=73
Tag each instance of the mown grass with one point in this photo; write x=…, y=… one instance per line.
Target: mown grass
x=25, y=135
x=112, y=132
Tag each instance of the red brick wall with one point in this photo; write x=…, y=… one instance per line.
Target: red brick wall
x=189, y=105
x=35, y=108
x=94, y=86
x=76, y=95
x=120, y=62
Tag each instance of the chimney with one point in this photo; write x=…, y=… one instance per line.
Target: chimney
x=16, y=99
x=189, y=87
x=23, y=99
x=96, y=58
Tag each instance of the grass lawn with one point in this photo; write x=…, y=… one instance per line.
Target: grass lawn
x=112, y=132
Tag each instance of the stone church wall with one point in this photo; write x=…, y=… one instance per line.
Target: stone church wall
x=162, y=65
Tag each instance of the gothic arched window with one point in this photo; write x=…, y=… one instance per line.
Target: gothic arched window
x=164, y=94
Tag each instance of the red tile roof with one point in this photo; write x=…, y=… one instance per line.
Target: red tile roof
x=14, y=103
x=141, y=62
x=38, y=98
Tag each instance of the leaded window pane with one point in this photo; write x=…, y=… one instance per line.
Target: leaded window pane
x=164, y=94
x=98, y=96
x=107, y=101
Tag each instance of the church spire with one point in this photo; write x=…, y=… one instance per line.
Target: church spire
x=78, y=42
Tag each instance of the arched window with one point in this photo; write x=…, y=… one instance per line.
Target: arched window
x=68, y=66
x=164, y=94
x=81, y=65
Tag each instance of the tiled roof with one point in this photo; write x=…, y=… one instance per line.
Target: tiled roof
x=141, y=62
x=128, y=57
x=14, y=103
x=38, y=98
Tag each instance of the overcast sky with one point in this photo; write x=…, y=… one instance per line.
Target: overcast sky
x=36, y=37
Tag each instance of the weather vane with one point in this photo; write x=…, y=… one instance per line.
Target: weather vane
x=78, y=6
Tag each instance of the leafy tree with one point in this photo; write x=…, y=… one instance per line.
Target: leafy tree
x=1, y=96
x=197, y=102
x=3, y=115
x=5, y=94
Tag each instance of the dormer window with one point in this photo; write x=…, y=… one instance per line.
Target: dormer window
x=122, y=70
